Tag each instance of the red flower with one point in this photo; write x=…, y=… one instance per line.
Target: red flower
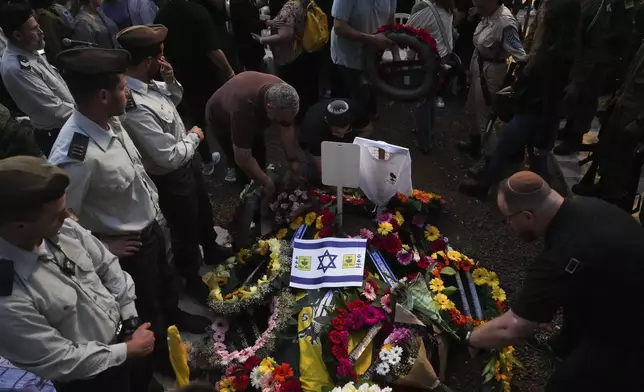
x=339, y=352
x=345, y=369
x=324, y=198
x=290, y=386
x=326, y=231
x=241, y=382
x=342, y=312
x=500, y=306
x=373, y=284
x=252, y=362
x=337, y=323
x=438, y=245
x=283, y=372
x=233, y=369
x=391, y=244
x=327, y=219
x=358, y=304
x=335, y=337
x=423, y=263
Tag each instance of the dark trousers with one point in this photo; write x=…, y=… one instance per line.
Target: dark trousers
x=185, y=204
x=46, y=139
x=580, y=117
x=302, y=74
x=525, y=129
x=157, y=298
x=117, y=378
x=258, y=151
x=349, y=83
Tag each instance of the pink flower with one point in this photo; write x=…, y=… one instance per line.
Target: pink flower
x=232, y=370
x=369, y=292
x=364, y=233
x=385, y=217
x=354, y=320
x=268, y=382
x=385, y=302
x=398, y=335
x=218, y=346
x=372, y=315
x=219, y=336
x=404, y=257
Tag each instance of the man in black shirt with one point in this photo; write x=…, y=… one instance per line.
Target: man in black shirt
x=592, y=266
x=339, y=120
x=193, y=47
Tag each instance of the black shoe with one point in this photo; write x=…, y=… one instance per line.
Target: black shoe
x=471, y=147
x=477, y=170
x=217, y=255
x=197, y=289
x=474, y=188
x=567, y=147
x=189, y=322
x=155, y=386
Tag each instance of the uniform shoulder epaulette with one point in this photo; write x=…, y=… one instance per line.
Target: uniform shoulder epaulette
x=24, y=62
x=6, y=277
x=78, y=147
x=130, y=104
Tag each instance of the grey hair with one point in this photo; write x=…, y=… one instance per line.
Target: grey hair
x=282, y=96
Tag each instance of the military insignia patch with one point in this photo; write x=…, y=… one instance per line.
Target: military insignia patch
x=130, y=104
x=78, y=146
x=24, y=62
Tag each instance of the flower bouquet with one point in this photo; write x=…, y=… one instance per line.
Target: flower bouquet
x=262, y=375
x=361, y=387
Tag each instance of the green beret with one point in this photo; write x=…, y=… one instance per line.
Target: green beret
x=139, y=36
x=30, y=182
x=93, y=61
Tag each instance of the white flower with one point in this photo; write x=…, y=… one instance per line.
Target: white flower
x=281, y=196
x=397, y=351
x=375, y=388
x=349, y=387
x=364, y=388
x=336, y=389
x=292, y=198
x=394, y=360
x=384, y=355
x=284, y=206
x=383, y=368
x=298, y=192
x=416, y=256
x=388, y=389
x=256, y=378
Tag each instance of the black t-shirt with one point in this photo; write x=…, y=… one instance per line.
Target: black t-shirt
x=191, y=36
x=315, y=130
x=602, y=247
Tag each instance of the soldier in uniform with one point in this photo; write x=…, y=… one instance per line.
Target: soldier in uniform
x=495, y=39
x=110, y=192
x=66, y=307
x=154, y=124
x=36, y=86
x=16, y=138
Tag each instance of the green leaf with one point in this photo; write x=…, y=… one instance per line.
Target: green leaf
x=489, y=366
x=448, y=271
x=488, y=377
x=449, y=290
x=416, y=204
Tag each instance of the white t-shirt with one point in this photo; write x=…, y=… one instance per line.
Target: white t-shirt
x=381, y=179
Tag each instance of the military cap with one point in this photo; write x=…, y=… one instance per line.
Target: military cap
x=30, y=182
x=93, y=61
x=141, y=36
x=13, y=16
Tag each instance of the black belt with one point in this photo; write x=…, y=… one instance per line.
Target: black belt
x=147, y=230
x=491, y=60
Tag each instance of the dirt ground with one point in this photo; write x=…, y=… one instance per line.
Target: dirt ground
x=474, y=228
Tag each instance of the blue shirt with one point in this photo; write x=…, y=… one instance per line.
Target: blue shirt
x=363, y=15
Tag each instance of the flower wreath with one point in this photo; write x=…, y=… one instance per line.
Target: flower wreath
x=276, y=255
x=217, y=352
x=355, y=316
x=487, y=299
x=363, y=387
x=262, y=375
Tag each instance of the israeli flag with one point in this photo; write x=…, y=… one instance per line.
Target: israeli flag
x=328, y=262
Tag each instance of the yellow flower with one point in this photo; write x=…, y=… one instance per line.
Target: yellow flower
x=297, y=223
x=316, y=236
x=454, y=255
x=399, y=218
x=442, y=302
x=498, y=294
x=243, y=293
x=506, y=386
x=318, y=223
x=384, y=228
x=310, y=218
x=281, y=234
x=480, y=276
x=262, y=247
x=243, y=255
x=253, y=289
x=493, y=279
x=226, y=385
x=508, y=350
x=262, y=280
x=275, y=265
x=267, y=365
x=386, y=347
x=432, y=233
x=216, y=294
x=436, y=285
x=439, y=253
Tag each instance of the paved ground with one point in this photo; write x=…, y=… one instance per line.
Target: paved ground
x=473, y=227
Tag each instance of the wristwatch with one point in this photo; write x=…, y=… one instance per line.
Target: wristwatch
x=130, y=325
x=467, y=339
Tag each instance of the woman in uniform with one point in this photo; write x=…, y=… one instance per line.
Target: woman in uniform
x=496, y=38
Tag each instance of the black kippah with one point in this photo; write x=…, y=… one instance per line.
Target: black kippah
x=338, y=114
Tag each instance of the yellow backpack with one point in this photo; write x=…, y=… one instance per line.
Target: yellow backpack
x=316, y=32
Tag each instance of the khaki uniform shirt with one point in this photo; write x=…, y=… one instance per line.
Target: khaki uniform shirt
x=154, y=124
x=36, y=87
x=109, y=190
x=59, y=325
x=496, y=37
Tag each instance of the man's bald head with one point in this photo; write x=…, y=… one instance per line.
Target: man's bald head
x=525, y=191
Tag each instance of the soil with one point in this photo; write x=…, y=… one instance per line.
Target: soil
x=474, y=228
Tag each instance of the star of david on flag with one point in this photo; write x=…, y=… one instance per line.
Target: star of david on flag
x=340, y=263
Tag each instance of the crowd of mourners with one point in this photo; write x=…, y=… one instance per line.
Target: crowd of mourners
x=108, y=114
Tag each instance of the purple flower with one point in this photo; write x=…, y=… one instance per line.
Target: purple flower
x=398, y=335
x=418, y=221
x=404, y=257
x=385, y=217
x=372, y=315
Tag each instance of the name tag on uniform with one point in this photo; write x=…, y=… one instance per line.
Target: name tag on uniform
x=572, y=266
